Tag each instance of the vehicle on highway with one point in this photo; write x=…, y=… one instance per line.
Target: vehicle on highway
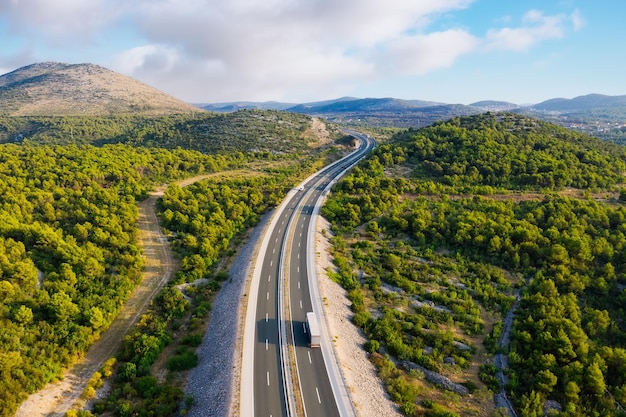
x=313, y=330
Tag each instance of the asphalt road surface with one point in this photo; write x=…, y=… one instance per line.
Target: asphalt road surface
x=270, y=392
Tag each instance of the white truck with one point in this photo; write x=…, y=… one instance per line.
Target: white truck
x=313, y=328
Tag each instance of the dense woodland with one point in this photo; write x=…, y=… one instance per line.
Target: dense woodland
x=206, y=221
x=438, y=233
x=69, y=256
x=68, y=249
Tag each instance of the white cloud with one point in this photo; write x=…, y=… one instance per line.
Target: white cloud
x=577, y=20
x=218, y=50
x=59, y=21
x=159, y=57
x=423, y=53
x=536, y=28
x=272, y=47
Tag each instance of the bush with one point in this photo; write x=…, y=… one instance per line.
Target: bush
x=183, y=361
x=470, y=385
x=221, y=276
x=408, y=409
x=146, y=386
x=372, y=346
x=193, y=340
x=127, y=372
x=202, y=309
x=89, y=393
x=487, y=375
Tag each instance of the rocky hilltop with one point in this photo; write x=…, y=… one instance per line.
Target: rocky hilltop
x=56, y=89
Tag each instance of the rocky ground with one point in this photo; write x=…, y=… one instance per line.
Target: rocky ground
x=214, y=383
x=366, y=390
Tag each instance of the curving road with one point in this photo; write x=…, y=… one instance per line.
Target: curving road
x=280, y=286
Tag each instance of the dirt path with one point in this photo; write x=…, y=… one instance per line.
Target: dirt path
x=56, y=398
x=501, y=360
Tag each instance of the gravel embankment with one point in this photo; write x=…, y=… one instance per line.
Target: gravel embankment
x=214, y=383
x=366, y=390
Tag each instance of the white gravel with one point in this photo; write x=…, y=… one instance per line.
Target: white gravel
x=366, y=390
x=215, y=381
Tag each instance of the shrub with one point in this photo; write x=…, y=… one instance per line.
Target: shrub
x=183, y=361
x=193, y=340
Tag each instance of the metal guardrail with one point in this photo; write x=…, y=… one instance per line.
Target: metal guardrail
x=282, y=339
x=298, y=401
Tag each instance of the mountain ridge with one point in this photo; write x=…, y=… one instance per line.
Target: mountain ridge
x=59, y=89
x=581, y=103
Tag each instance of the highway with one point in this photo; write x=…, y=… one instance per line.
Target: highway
x=280, y=286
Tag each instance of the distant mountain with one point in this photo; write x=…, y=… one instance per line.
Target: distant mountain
x=593, y=113
x=247, y=105
x=384, y=112
x=351, y=105
x=56, y=89
x=581, y=103
x=493, y=105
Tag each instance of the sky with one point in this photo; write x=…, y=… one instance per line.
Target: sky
x=452, y=51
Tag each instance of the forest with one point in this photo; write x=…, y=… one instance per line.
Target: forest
x=206, y=222
x=68, y=249
x=69, y=253
x=448, y=232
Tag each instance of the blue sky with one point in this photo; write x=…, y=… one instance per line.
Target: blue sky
x=454, y=51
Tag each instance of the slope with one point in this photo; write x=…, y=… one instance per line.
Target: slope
x=448, y=230
x=53, y=88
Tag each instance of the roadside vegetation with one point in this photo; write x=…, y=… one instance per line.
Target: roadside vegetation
x=69, y=255
x=438, y=233
x=206, y=222
x=68, y=251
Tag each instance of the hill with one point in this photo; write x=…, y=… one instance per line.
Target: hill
x=277, y=132
x=588, y=102
x=494, y=105
x=352, y=105
x=599, y=115
x=487, y=245
x=384, y=112
x=53, y=88
x=245, y=105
